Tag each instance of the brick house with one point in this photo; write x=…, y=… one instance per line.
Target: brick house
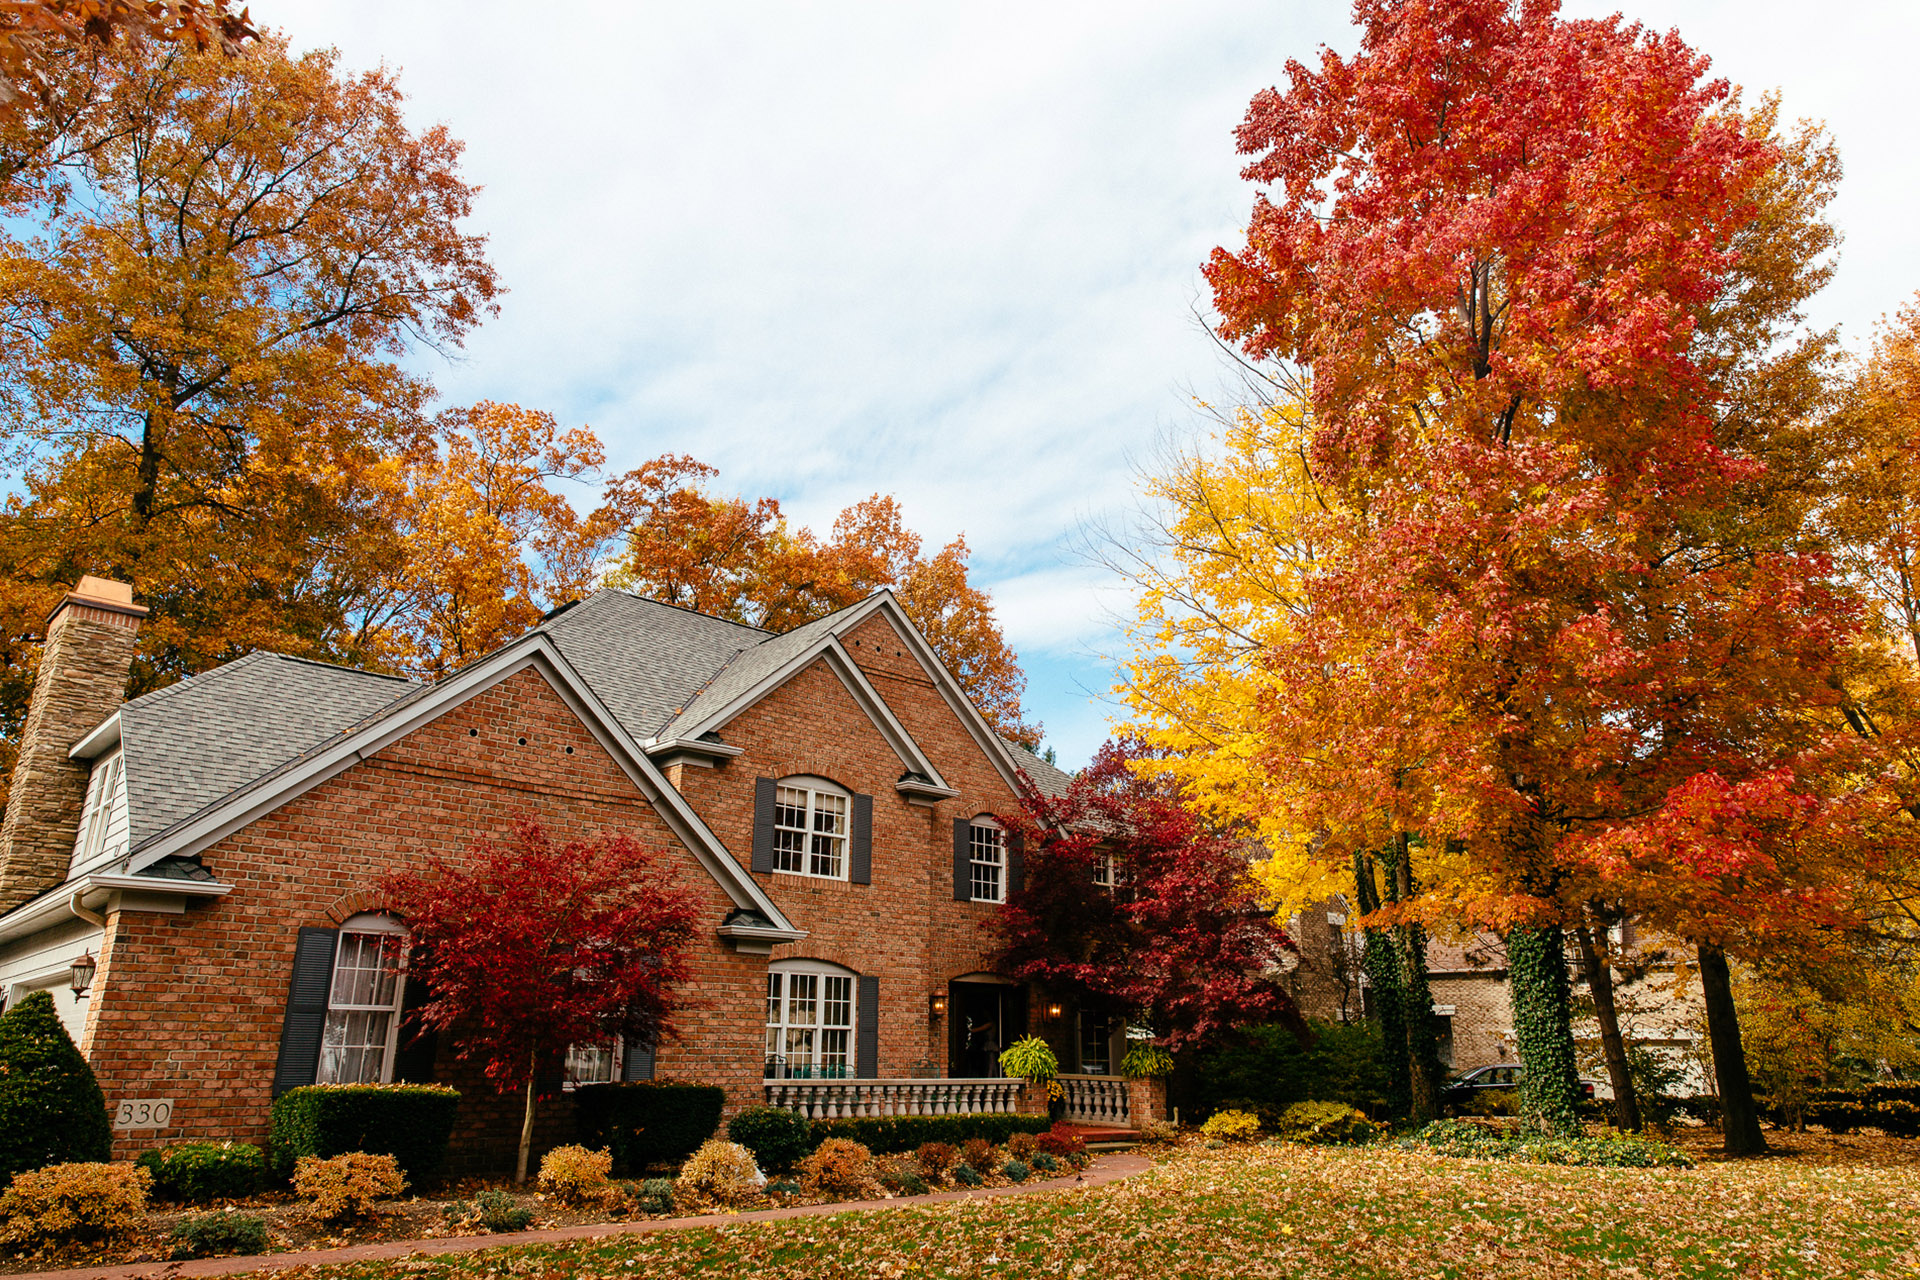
x=213, y=849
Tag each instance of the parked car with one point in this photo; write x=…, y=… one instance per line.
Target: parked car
x=1493, y=1089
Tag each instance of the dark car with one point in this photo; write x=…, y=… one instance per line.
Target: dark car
x=1474, y=1090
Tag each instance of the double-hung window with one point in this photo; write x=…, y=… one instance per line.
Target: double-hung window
x=593, y=1063
x=810, y=824
x=987, y=861
x=357, y=1041
x=809, y=1022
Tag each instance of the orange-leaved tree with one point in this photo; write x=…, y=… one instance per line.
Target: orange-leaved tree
x=1533, y=267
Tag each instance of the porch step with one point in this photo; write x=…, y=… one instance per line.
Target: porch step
x=1106, y=1137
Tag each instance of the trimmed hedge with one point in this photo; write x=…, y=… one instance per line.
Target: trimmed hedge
x=410, y=1122
x=644, y=1123
x=200, y=1171
x=1892, y=1107
x=890, y=1135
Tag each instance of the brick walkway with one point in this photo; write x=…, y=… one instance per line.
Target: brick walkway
x=1103, y=1170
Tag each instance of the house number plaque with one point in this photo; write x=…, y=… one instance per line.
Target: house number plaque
x=143, y=1113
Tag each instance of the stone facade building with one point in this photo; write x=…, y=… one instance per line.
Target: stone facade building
x=215, y=849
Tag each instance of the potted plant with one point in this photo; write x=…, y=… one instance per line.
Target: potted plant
x=1031, y=1059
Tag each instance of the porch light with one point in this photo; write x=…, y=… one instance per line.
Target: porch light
x=83, y=974
x=937, y=1002
x=1054, y=1011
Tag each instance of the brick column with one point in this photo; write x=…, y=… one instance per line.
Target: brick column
x=81, y=681
x=1146, y=1101
x=1033, y=1098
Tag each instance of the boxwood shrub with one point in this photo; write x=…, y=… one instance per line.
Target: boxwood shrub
x=201, y=1171
x=889, y=1135
x=645, y=1123
x=410, y=1122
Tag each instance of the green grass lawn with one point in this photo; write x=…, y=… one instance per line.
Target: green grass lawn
x=1293, y=1211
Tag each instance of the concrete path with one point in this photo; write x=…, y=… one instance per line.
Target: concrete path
x=1103, y=1170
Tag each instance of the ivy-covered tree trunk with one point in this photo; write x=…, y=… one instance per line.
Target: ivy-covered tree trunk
x=1739, y=1118
x=1543, y=1024
x=1422, y=1046
x=1626, y=1102
x=1380, y=959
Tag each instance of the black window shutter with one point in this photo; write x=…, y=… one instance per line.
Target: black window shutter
x=299, y=1058
x=1016, y=862
x=962, y=861
x=763, y=796
x=860, y=859
x=639, y=1062
x=866, y=1036
x=413, y=1063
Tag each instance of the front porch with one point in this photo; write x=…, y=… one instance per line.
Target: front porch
x=1104, y=1102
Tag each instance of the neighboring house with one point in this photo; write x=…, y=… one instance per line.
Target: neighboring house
x=215, y=848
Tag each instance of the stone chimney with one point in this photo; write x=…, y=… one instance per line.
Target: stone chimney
x=82, y=680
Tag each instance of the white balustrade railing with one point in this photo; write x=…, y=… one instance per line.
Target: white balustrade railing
x=1096, y=1100
x=842, y=1099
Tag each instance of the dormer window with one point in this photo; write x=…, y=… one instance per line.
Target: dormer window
x=810, y=827
x=102, y=825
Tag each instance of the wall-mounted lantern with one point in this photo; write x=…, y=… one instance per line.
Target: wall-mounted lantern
x=937, y=1004
x=1054, y=1011
x=83, y=975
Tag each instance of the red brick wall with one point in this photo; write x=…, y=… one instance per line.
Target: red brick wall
x=197, y=1014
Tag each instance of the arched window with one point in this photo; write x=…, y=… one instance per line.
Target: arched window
x=810, y=827
x=809, y=1020
x=987, y=859
x=363, y=1002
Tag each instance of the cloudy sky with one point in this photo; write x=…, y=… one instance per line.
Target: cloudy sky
x=948, y=252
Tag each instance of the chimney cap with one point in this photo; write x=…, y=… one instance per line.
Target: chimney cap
x=101, y=593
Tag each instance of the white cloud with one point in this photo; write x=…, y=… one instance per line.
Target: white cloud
x=942, y=251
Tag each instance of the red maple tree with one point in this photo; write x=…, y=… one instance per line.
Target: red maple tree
x=1128, y=902
x=536, y=946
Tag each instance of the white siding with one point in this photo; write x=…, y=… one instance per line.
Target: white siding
x=111, y=815
x=44, y=962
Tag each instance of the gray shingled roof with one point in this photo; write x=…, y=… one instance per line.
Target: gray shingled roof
x=190, y=743
x=646, y=660
x=747, y=669
x=1051, y=779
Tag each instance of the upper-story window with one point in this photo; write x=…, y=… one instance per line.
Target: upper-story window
x=1103, y=870
x=103, y=826
x=362, y=1030
x=809, y=1021
x=987, y=859
x=810, y=826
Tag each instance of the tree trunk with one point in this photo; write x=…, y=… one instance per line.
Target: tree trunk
x=1423, y=1040
x=1626, y=1102
x=1739, y=1119
x=526, y=1124
x=1543, y=1024
x=1381, y=962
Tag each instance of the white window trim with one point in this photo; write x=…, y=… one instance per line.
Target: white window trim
x=371, y=924
x=1103, y=871
x=617, y=1063
x=815, y=788
x=998, y=862
x=106, y=783
x=821, y=970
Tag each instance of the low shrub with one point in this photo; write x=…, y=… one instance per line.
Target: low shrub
x=208, y=1234
x=1464, y=1139
x=1062, y=1141
x=894, y=1135
x=977, y=1152
x=1016, y=1171
x=778, y=1138
x=491, y=1210
x=936, y=1158
x=348, y=1185
x=66, y=1202
x=903, y=1178
x=655, y=1195
x=1489, y=1102
x=647, y=1123
x=201, y=1171
x=1022, y=1145
x=1325, y=1122
x=720, y=1172
x=1892, y=1107
x=839, y=1169
x=1157, y=1133
x=1459, y=1138
x=1232, y=1126
x=1044, y=1162
x=410, y=1122
x=965, y=1175
x=783, y=1187
x=575, y=1175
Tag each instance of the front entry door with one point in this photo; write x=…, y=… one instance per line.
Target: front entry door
x=986, y=1018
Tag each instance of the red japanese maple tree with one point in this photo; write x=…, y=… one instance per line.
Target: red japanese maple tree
x=1130, y=902
x=534, y=946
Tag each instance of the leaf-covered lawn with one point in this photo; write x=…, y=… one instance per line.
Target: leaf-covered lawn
x=1291, y=1211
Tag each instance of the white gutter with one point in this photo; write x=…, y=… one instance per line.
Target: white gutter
x=70, y=901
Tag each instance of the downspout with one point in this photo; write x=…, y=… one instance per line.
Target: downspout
x=92, y=918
